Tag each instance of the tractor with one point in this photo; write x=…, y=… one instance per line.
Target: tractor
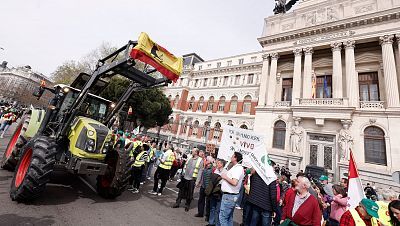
x=74, y=132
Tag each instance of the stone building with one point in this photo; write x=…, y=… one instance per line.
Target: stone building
x=18, y=84
x=329, y=84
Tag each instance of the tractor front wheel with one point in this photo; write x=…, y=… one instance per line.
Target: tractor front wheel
x=114, y=181
x=18, y=140
x=33, y=170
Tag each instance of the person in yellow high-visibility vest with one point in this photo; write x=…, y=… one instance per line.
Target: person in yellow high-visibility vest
x=163, y=170
x=365, y=214
x=152, y=159
x=191, y=177
x=140, y=156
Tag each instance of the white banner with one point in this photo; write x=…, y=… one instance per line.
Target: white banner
x=251, y=146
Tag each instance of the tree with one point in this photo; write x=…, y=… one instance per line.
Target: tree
x=67, y=72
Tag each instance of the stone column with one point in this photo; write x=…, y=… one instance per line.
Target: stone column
x=389, y=71
x=262, y=97
x=297, y=76
x=351, y=74
x=307, y=81
x=272, y=79
x=337, y=83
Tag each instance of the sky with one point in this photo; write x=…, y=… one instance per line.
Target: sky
x=46, y=33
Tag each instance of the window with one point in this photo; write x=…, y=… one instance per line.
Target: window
x=247, y=104
x=176, y=101
x=195, y=128
x=201, y=103
x=215, y=81
x=253, y=59
x=200, y=67
x=230, y=123
x=191, y=103
x=225, y=83
x=324, y=86
x=210, y=105
x=205, y=128
x=196, y=83
x=241, y=61
x=219, y=64
x=237, y=80
x=208, y=65
x=279, y=135
x=369, y=87
x=221, y=105
x=205, y=82
x=244, y=126
x=184, y=127
x=234, y=102
x=229, y=63
x=287, y=87
x=217, y=131
x=250, y=79
x=374, y=145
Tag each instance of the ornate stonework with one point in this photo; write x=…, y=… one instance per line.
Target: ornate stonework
x=308, y=50
x=298, y=52
x=386, y=39
x=274, y=56
x=336, y=46
x=349, y=44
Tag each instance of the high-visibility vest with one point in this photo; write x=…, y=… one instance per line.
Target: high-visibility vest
x=168, y=162
x=135, y=144
x=359, y=221
x=197, y=167
x=383, y=212
x=139, y=162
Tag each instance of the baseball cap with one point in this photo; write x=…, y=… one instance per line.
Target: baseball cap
x=323, y=177
x=371, y=207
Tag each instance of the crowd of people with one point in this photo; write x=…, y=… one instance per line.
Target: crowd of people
x=9, y=114
x=224, y=187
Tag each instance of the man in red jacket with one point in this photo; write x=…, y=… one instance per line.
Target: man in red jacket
x=302, y=208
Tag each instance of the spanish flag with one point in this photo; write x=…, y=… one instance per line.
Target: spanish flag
x=155, y=55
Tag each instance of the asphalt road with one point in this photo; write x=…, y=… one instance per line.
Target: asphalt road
x=72, y=200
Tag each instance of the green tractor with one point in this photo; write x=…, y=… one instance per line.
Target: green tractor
x=74, y=133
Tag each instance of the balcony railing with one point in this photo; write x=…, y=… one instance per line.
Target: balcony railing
x=280, y=104
x=322, y=102
x=372, y=104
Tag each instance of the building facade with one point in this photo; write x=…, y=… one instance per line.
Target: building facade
x=18, y=84
x=210, y=94
x=330, y=84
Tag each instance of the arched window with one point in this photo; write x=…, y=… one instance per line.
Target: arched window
x=184, y=127
x=201, y=103
x=279, y=135
x=210, y=105
x=234, y=102
x=217, y=131
x=170, y=123
x=247, y=104
x=244, y=127
x=206, y=125
x=221, y=105
x=230, y=123
x=195, y=128
x=176, y=101
x=374, y=145
x=191, y=103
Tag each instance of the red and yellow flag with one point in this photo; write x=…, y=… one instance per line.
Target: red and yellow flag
x=155, y=55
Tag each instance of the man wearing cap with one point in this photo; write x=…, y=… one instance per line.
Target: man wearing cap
x=365, y=214
x=326, y=185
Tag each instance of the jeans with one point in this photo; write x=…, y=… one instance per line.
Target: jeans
x=203, y=201
x=228, y=203
x=215, y=206
x=240, y=198
x=149, y=169
x=278, y=215
x=258, y=215
x=4, y=126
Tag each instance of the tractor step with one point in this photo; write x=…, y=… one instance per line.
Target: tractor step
x=87, y=166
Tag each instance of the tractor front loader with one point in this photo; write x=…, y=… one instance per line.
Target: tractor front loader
x=74, y=133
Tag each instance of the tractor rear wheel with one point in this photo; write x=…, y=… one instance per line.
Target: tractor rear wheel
x=18, y=140
x=115, y=180
x=33, y=170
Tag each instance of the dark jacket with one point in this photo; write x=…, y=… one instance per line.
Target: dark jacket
x=261, y=194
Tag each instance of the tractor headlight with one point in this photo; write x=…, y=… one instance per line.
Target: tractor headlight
x=90, y=133
x=106, y=145
x=104, y=150
x=90, y=142
x=89, y=148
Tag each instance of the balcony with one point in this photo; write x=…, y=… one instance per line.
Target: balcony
x=323, y=102
x=282, y=104
x=372, y=105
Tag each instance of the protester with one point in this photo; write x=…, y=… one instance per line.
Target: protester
x=230, y=186
x=214, y=192
x=394, y=212
x=303, y=208
x=388, y=196
x=191, y=178
x=369, y=191
x=326, y=185
x=323, y=201
x=152, y=159
x=163, y=171
x=366, y=213
x=262, y=201
x=8, y=119
x=338, y=205
x=344, y=182
x=291, y=192
x=204, y=201
x=140, y=157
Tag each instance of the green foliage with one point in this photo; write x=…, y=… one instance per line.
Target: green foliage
x=67, y=72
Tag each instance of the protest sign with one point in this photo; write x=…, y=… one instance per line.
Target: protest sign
x=251, y=146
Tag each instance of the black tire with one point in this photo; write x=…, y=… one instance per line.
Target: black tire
x=38, y=159
x=17, y=141
x=115, y=180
